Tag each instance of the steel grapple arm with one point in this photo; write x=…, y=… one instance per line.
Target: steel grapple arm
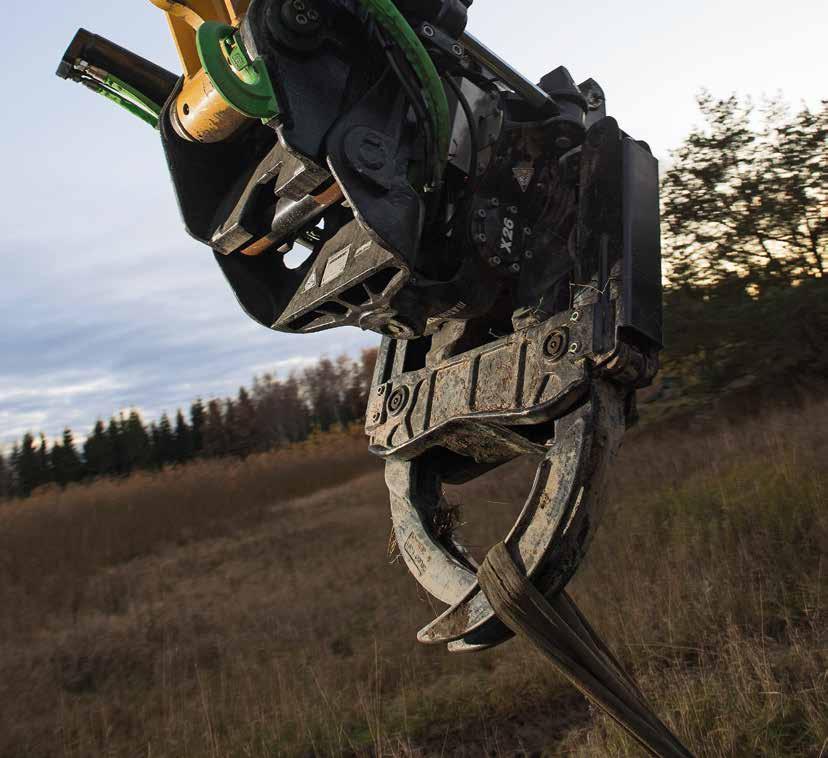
x=369, y=163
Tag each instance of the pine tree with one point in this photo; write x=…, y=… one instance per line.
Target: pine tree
x=117, y=463
x=137, y=448
x=166, y=441
x=44, y=468
x=231, y=429
x=96, y=451
x=215, y=440
x=155, y=446
x=5, y=479
x=183, y=439
x=27, y=466
x=14, y=471
x=197, y=426
x=66, y=462
x=246, y=429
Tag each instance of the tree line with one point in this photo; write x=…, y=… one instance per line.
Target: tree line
x=270, y=413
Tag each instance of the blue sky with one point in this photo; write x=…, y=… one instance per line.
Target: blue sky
x=106, y=304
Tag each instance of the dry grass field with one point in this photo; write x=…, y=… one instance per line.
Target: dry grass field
x=252, y=609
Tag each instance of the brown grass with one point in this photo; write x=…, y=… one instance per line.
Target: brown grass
x=250, y=609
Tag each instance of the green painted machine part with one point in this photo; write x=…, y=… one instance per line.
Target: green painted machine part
x=242, y=83
x=386, y=14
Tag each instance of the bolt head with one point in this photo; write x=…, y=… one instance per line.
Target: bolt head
x=513, y=209
x=299, y=5
x=528, y=254
x=301, y=19
x=372, y=151
x=494, y=260
x=527, y=231
x=563, y=142
x=481, y=238
x=574, y=347
x=398, y=400
x=313, y=15
x=481, y=213
x=576, y=316
x=494, y=202
x=428, y=31
x=457, y=50
x=555, y=344
x=515, y=268
x=381, y=389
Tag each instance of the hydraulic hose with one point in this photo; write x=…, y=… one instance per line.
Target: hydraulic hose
x=386, y=14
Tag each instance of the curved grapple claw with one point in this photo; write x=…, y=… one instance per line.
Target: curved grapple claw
x=548, y=539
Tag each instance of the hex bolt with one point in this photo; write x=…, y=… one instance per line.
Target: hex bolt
x=574, y=347
x=381, y=389
x=313, y=15
x=494, y=260
x=428, y=31
x=513, y=209
x=457, y=50
x=301, y=19
x=481, y=213
x=555, y=345
x=375, y=416
x=494, y=202
x=515, y=268
x=481, y=238
x=527, y=231
x=576, y=316
x=528, y=254
x=299, y=5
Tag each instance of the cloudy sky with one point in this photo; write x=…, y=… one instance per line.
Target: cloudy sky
x=107, y=304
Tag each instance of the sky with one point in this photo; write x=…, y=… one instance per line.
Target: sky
x=107, y=304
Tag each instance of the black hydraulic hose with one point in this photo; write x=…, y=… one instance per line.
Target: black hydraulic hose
x=414, y=98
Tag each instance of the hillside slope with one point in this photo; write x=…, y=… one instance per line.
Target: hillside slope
x=275, y=622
